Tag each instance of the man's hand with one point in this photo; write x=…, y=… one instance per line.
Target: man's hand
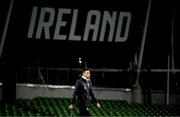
x=98, y=105
x=71, y=107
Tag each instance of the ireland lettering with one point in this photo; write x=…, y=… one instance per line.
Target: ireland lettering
x=76, y=25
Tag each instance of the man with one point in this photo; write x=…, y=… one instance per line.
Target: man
x=83, y=89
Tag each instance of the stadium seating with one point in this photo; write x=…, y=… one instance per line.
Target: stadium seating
x=50, y=106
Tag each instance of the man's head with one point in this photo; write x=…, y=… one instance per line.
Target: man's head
x=86, y=73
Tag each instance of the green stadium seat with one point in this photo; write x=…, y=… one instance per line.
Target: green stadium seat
x=46, y=106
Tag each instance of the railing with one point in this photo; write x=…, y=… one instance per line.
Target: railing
x=61, y=76
x=113, y=78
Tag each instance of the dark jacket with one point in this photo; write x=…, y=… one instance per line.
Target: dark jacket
x=83, y=90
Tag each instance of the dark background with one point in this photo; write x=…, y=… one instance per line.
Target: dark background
x=64, y=53
x=19, y=51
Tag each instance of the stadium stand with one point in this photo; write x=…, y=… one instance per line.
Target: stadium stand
x=50, y=106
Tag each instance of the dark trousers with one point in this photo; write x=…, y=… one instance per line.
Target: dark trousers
x=84, y=112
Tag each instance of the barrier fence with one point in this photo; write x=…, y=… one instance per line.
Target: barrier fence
x=155, y=79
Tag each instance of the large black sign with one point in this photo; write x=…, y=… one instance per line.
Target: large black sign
x=57, y=33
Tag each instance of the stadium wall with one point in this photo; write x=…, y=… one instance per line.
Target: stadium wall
x=29, y=91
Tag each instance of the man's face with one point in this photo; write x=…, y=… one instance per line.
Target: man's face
x=87, y=74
